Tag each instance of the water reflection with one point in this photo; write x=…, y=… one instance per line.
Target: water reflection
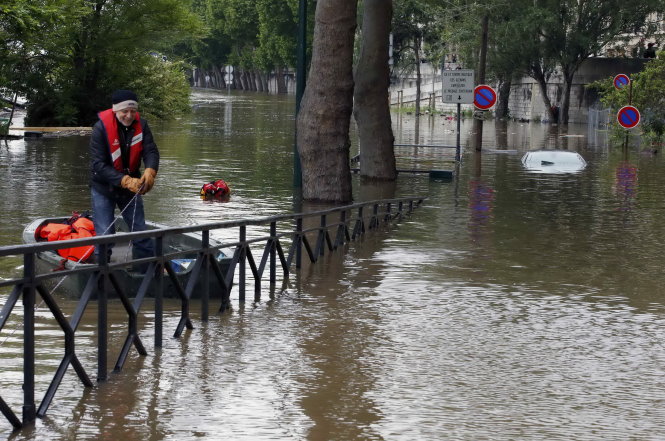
x=512, y=305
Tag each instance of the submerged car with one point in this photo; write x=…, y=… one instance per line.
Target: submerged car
x=553, y=161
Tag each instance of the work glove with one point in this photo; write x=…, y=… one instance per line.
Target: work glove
x=148, y=179
x=131, y=184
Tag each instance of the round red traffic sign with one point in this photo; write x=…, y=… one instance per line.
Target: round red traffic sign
x=484, y=97
x=621, y=81
x=628, y=117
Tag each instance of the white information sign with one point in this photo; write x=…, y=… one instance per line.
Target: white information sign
x=457, y=86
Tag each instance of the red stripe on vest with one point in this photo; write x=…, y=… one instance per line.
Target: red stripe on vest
x=111, y=126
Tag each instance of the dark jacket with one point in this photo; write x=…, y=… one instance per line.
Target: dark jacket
x=103, y=176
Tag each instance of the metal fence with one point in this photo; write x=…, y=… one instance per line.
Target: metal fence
x=314, y=232
x=598, y=123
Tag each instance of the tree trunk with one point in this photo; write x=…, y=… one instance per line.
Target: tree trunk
x=565, y=99
x=244, y=77
x=542, y=83
x=265, y=79
x=219, y=78
x=325, y=111
x=280, y=80
x=503, y=105
x=251, y=80
x=371, y=99
x=257, y=80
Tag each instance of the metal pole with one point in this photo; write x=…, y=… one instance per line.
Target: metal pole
x=241, y=263
x=159, y=292
x=29, y=410
x=102, y=314
x=300, y=84
x=205, y=292
x=273, y=253
x=459, y=128
x=477, y=123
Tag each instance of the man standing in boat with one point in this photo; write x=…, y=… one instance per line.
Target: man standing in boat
x=120, y=141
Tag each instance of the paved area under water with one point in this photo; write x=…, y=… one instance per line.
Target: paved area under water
x=513, y=305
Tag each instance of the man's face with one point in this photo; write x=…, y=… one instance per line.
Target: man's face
x=126, y=116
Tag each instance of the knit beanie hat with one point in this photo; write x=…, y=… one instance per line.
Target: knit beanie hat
x=124, y=99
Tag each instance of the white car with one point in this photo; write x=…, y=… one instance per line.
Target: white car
x=553, y=161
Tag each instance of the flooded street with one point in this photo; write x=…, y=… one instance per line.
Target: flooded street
x=511, y=305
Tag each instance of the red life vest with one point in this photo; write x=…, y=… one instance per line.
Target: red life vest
x=136, y=147
x=82, y=227
x=217, y=188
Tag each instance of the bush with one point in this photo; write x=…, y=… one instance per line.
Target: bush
x=648, y=96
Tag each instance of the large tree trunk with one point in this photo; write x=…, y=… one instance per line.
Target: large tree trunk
x=503, y=104
x=258, y=81
x=264, y=81
x=542, y=83
x=326, y=106
x=568, y=74
x=371, y=99
x=246, y=83
x=280, y=80
x=562, y=114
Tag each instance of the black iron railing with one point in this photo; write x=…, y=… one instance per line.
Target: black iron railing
x=335, y=227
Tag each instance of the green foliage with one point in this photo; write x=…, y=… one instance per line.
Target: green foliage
x=252, y=34
x=68, y=65
x=538, y=37
x=417, y=25
x=648, y=95
x=30, y=31
x=278, y=24
x=162, y=88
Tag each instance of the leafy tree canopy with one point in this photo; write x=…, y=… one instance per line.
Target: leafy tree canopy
x=67, y=56
x=647, y=94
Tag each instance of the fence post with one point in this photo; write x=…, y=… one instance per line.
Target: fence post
x=159, y=291
x=243, y=258
x=102, y=313
x=273, y=252
x=29, y=409
x=205, y=293
x=299, y=243
x=321, y=240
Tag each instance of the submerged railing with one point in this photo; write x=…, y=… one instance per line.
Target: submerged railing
x=350, y=222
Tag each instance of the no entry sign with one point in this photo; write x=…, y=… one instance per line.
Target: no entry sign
x=628, y=117
x=484, y=97
x=621, y=81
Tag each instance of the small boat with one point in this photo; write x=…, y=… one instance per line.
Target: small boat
x=73, y=284
x=553, y=161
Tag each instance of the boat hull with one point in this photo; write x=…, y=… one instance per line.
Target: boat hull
x=130, y=281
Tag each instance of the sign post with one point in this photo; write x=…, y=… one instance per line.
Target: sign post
x=457, y=87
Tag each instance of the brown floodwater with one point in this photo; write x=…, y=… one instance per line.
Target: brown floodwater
x=512, y=305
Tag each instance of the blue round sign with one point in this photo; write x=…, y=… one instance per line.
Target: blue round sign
x=484, y=97
x=628, y=117
x=621, y=81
